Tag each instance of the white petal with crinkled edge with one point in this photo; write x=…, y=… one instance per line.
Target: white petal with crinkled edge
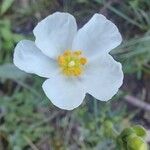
x=103, y=77
x=65, y=93
x=30, y=59
x=98, y=36
x=55, y=33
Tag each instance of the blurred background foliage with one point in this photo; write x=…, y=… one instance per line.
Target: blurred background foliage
x=28, y=120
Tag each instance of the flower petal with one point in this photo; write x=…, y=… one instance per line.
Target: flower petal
x=65, y=93
x=103, y=77
x=97, y=36
x=55, y=33
x=29, y=58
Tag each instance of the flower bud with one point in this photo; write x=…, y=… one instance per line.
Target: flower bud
x=140, y=131
x=126, y=133
x=136, y=143
x=108, y=124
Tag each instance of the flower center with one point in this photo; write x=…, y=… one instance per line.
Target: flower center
x=72, y=63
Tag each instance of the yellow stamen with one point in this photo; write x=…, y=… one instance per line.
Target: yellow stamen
x=67, y=53
x=72, y=63
x=83, y=61
x=78, y=53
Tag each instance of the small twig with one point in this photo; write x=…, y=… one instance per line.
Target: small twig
x=103, y=10
x=27, y=87
x=44, y=121
x=137, y=102
x=69, y=128
x=30, y=143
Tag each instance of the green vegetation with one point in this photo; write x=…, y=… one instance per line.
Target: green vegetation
x=27, y=118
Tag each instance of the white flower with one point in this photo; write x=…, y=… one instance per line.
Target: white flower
x=75, y=62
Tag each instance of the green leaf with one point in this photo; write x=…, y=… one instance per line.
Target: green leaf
x=6, y=4
x=9, y=71
x=6, y=34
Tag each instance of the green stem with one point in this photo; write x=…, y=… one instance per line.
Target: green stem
x=95, y=112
